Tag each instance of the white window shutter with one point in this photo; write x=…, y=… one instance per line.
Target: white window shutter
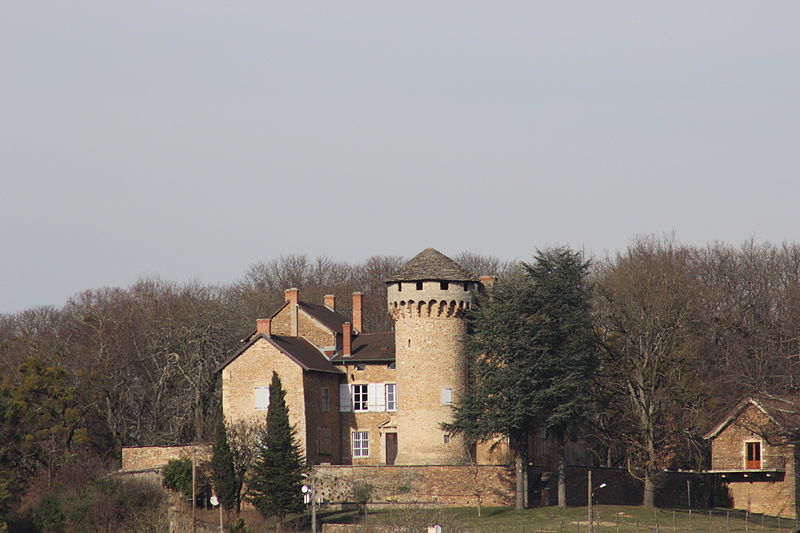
x=446, y=396
x=379, y=396
x=262, y=397
x=371, y=397
x=345, y=403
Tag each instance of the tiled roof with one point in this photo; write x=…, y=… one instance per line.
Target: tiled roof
x=784, y=411
x=297, y=349
x=370, y=347
x=431, y=264
x=330, y=319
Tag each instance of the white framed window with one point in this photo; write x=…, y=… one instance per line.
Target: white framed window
x=391, y=397
x=360, y=398
x=360, y=440
x=446, y=396
x=325, y=399
x=261, y=398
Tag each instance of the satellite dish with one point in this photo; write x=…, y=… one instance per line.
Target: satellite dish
x=214, y=501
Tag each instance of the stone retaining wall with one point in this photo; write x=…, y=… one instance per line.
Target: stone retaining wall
x=139, y=458
x=440, y=485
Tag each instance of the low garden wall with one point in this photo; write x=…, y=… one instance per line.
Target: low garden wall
x=439, y=485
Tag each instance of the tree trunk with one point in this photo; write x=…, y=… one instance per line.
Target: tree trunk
x=562, y=470
x=649, y=499
x=520, y=475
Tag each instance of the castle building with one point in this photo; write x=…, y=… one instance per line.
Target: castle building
x=358, y=397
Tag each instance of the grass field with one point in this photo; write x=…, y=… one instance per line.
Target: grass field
x=607, y=519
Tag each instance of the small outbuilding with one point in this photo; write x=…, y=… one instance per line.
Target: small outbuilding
x=754, y=450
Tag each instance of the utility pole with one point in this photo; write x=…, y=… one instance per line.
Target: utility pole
x=589, y=495
x=194, y=493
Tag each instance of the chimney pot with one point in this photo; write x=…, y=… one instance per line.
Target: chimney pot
x=347, y=339
x=488, y=281
x=292, y=295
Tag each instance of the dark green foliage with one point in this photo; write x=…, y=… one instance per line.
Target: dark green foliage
x=178, y=476
x=531, y=351
x=48, y=515
x=224, y=475
x=276, y=477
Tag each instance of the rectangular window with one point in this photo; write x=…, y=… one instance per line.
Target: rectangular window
x=444, y=285
x=261, y=398
x=360, y=441
x=753, y=452
x=325, y=400
x=345, y=404
x=324, y=441
x=446, y=396
x=419, y=285
x=445, y=439
x=360, y=398
x=391, y=397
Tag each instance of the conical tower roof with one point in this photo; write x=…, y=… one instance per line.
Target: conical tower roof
x=430, y=264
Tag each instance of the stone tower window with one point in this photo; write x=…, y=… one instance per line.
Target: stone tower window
x=399, y=286
x=466, y=285
x=419, y=285
x=445, y=438
x=444, y=285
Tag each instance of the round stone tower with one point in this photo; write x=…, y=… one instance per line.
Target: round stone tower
x=427, y=299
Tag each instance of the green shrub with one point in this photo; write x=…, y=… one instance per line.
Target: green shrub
x=178, y=476
x=48, y=515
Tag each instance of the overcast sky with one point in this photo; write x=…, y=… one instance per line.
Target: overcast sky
x=192, y=139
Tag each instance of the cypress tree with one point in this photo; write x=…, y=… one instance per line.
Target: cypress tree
x=224, y=476
x=277, y=473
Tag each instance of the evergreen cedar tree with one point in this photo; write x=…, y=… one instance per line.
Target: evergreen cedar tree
x=276, y=477
x=224, y=475
x=531, y=354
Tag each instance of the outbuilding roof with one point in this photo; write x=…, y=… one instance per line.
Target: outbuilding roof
x=783, y=411
x=431, y=264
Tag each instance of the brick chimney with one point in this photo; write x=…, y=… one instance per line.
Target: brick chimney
x=330, y=302
x=347, y=340
x=488, y=281
x=292, y=296
x=358, y=302
x=264, y=326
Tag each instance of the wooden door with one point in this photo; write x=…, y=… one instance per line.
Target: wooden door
x=391, y=448
x=753, y=452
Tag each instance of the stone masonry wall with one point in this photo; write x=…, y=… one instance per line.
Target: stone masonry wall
x=756, y=493
x=368, y=421
x=151, y=457
x=253, y=368
x=314, y=332
x=441, y=485
x=319, y=419
x=429, y=359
